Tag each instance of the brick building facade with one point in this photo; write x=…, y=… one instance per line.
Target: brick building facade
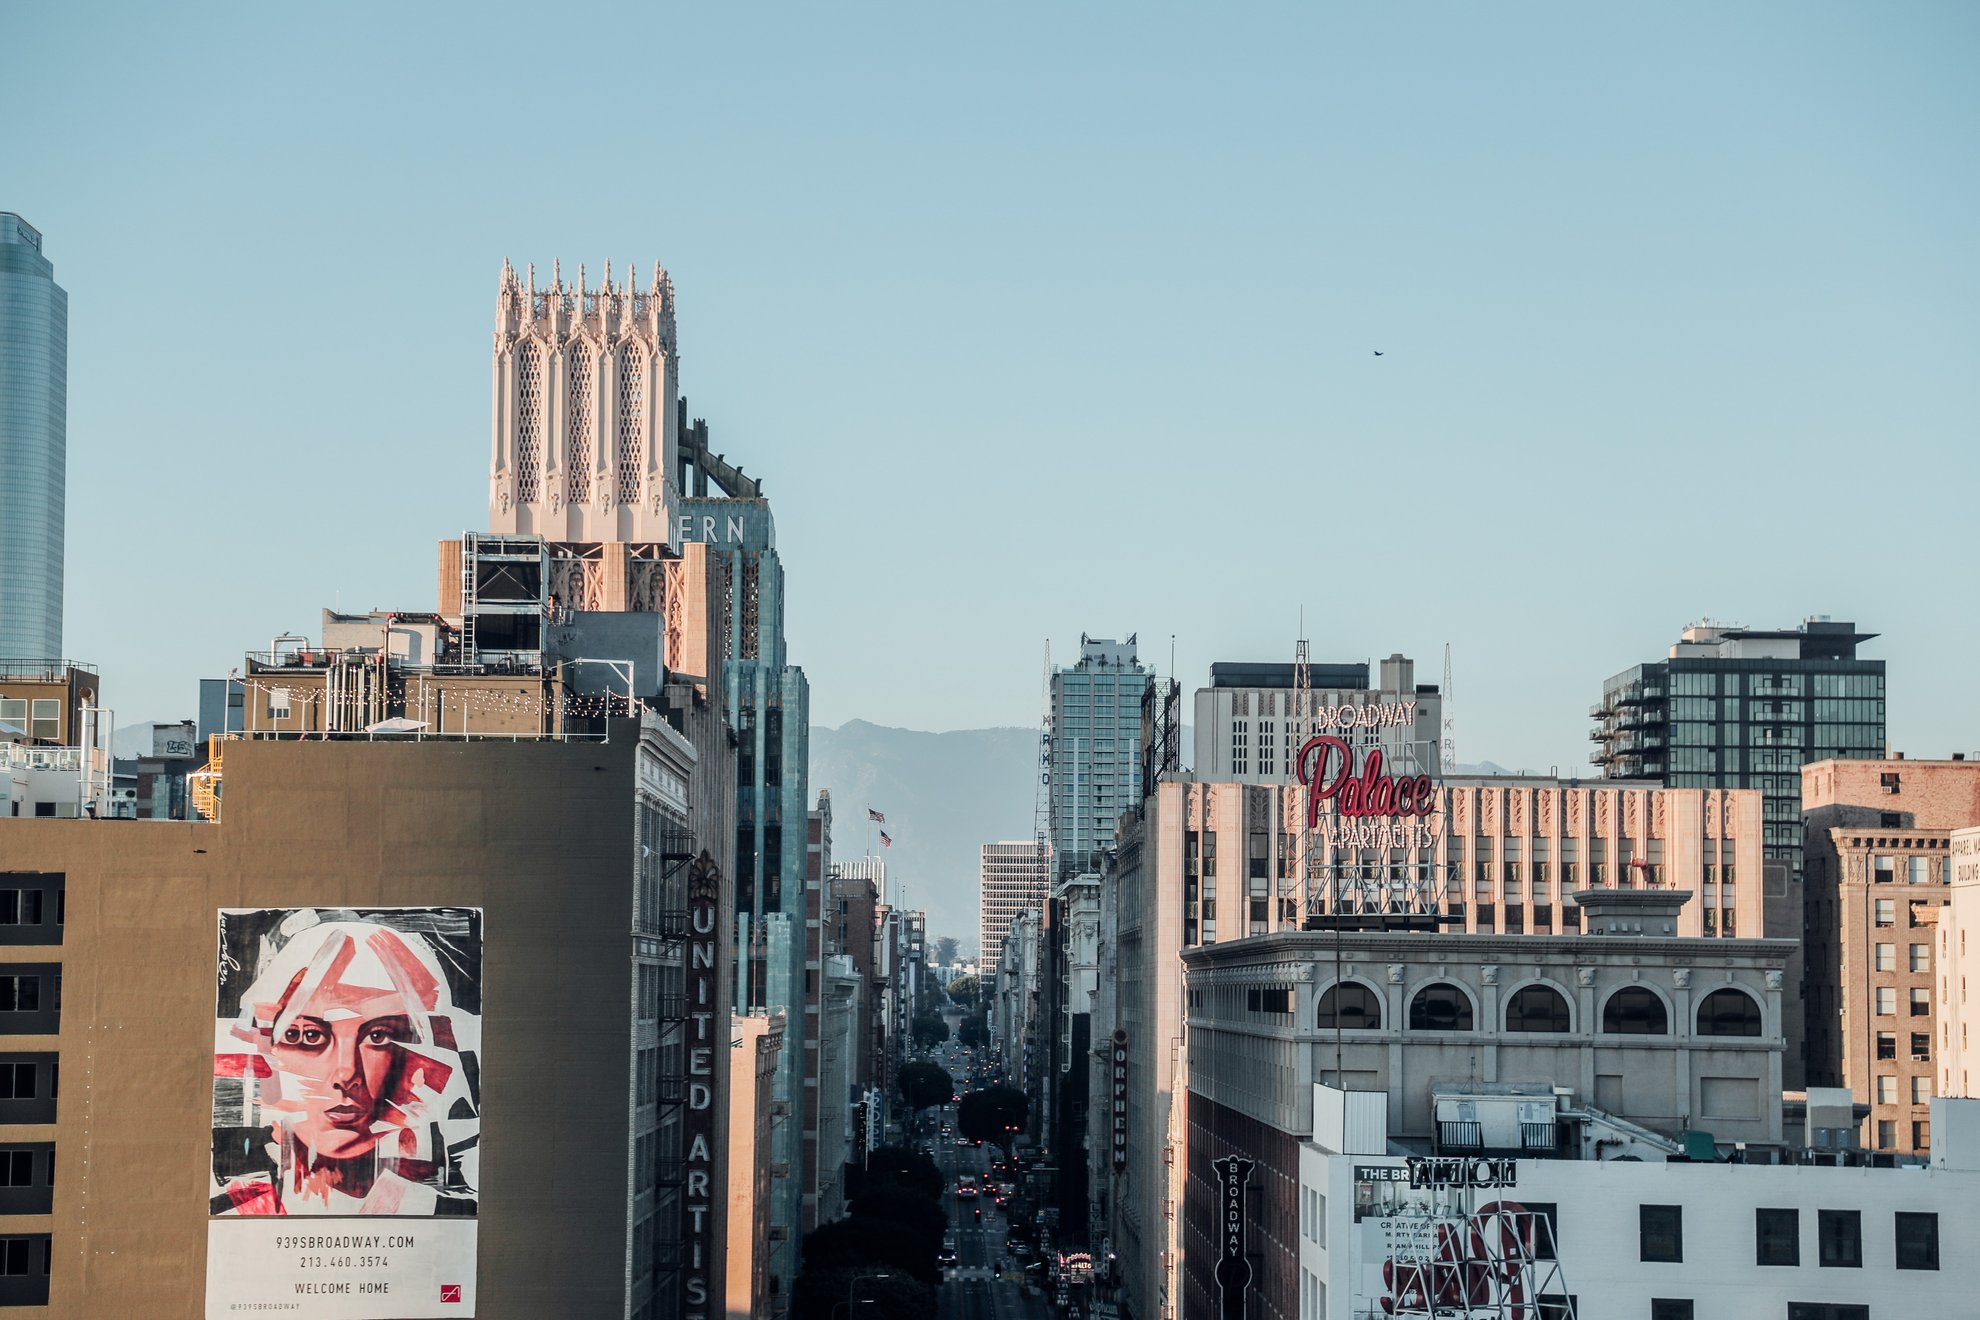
x=1876, y=841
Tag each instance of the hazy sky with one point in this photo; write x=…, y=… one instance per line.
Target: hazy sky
x=1037, y=319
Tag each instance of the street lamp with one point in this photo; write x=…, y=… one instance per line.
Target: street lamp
x=857, y=1279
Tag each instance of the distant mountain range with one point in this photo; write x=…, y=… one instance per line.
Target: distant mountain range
x=944, y=795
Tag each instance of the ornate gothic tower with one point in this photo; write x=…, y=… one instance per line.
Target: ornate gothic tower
x=585, y=415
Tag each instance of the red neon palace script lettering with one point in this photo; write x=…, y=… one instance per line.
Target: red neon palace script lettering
x=1371, y=793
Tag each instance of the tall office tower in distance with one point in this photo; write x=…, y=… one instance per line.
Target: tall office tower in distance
x=34, y=443
x=1250, y=725
x=1734, y=707
x=1015, y=877
x=1094, y=773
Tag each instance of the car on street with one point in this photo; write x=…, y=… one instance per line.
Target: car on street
x=947, y=1255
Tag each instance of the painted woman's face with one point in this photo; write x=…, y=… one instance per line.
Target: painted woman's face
x=341, y=1050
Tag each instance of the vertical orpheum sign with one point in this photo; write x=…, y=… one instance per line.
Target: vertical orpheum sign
x=1371, y=833
x=1233, y=1269
x=1120, y=1097
x=704, y=1036
x=346, y=1159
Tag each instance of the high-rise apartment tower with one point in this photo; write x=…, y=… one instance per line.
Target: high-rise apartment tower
x=34, y=442
x=1734, y=707
x=1094, y=768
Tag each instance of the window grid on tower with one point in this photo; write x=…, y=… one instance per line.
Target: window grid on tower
x=632, y=376
x=578, y=423
x=529, y=423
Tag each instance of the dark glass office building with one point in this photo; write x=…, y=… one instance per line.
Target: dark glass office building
x=1739, y=707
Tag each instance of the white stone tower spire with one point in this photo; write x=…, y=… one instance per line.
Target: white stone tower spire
x=585, y=418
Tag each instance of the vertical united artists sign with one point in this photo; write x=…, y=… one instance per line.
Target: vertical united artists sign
x=702, y=970
x=1233, y=1269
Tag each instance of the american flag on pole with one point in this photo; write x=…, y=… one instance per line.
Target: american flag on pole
x=876, y=817
x=885, y=842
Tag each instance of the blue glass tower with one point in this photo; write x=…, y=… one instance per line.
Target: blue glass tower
x=34, y=442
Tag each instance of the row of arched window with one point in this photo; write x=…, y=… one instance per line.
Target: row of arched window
x=1631, y=1011
x=629, y=441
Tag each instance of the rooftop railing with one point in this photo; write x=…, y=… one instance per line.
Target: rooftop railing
x=19, y=756
x=43, y=671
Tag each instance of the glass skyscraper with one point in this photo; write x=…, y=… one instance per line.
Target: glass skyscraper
x=34, y=442
x=1094, y=772
x=1745, y=708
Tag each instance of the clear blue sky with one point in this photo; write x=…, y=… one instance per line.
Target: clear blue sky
x=1042, y=318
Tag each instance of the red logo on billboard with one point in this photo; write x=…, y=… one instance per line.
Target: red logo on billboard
x=450, y=1292
x=1371, y=793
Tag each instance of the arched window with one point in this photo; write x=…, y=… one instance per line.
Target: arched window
x=632, y=420
x=1350, y=1006
x=1635, y=1011
x=1440, y=1007
x=529, y=422
x=1729, y=1012
x=1537, y=1008
x=577, y=422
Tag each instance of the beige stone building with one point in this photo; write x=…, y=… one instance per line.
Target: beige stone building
x=1202, y=863
x=1877, y=863
x=1958, y=965
x=1624, y=1041
x=755, y=1039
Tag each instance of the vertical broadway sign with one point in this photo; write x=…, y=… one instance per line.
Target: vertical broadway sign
x=700, y=1127
x=1233, y=1264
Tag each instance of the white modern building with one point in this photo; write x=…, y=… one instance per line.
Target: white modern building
x=1013, y=877
x=838, y=1049
x=1382, y=1234
x=1254, y=717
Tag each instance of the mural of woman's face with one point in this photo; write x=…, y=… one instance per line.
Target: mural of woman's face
x=339, y=1048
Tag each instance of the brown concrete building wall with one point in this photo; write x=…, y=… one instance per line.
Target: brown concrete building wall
x=538, y=835
x=1271, y=1212
x=1881, y=934
x=848, y=928
x=52, y=680
x=1923, y=795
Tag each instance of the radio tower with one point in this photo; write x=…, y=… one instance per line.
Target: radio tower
x=1450, y=726
x=1041, y=823
x=1303, y=715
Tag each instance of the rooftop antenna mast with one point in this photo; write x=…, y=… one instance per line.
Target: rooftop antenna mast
x=1041, y=822
x=1302, y=713
x=1450, y=725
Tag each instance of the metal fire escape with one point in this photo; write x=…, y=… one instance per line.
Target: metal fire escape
x=663, y=919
